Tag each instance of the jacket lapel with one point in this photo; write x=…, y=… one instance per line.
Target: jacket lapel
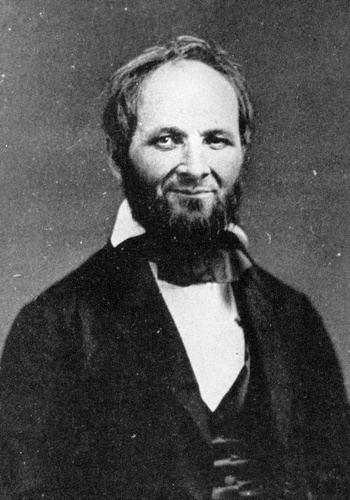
x=263, y=330
x=157, y=344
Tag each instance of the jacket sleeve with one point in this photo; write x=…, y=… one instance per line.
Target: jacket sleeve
x=38, y=391
x=326, y=411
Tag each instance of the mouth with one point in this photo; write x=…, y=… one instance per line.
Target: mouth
x=193, y=193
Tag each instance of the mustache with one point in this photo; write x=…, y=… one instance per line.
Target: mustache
x=212, y=180
x=190, y=185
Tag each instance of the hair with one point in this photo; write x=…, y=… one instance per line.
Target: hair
x=120, y=114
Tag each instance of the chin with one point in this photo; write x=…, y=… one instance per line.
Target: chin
x=190, y=208
x=191, y=222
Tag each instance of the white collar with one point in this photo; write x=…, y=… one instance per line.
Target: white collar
x=126, y=227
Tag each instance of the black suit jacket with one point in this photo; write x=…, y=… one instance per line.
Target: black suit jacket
x=93, y=404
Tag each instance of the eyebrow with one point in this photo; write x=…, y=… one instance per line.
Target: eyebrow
x=167, y=130
x=219, y=131
x=178, y=132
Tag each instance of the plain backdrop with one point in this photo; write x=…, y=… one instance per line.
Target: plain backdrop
x=58, y=199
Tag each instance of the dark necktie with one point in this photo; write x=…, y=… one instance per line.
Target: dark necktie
x=221, y=264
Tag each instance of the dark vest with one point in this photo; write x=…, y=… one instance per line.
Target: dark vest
x=242, y=441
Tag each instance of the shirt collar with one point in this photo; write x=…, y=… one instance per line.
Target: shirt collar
x=126, y=227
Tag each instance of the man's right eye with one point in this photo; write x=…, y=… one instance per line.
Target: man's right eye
x=165, y=141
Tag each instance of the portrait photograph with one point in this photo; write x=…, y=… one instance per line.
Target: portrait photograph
x=174, y=233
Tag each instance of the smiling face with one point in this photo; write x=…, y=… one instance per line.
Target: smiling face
x=186, y=153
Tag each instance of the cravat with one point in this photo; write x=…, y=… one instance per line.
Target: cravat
x=219, y=264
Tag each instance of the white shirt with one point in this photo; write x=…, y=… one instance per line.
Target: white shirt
x=206, y=317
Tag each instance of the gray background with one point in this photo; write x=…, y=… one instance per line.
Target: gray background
x=58, y=199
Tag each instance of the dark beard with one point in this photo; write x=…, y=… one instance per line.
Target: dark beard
x=182, y=229
x=185, y=227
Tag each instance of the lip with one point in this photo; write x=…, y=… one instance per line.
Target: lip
x=193, y=192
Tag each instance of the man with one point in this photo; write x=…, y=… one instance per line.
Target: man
x=169, y=365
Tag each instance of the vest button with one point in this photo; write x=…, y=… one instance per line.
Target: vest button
x=230, y=480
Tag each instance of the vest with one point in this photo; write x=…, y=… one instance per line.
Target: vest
x=242, y=439
x=244, y=463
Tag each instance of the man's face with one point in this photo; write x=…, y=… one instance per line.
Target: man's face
x=186, y=153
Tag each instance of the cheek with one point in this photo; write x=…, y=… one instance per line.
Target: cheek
x=152, y=166
x=228, y=167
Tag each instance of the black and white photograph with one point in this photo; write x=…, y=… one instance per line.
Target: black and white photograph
x=175, y=278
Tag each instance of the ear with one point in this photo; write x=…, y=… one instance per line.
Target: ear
x=114, y=168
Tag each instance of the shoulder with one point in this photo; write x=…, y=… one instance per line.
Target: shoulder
x=282, y=296
x=295, y=311
x=300, y=325
x=89, y=282
x=297, y=321
x=78, y=321
x=64, y=310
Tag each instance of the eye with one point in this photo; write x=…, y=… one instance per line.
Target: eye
x=166, y=141
x=217, y=141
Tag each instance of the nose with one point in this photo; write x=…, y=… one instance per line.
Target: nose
x=194, y=164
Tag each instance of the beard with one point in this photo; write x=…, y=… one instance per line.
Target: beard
x=182, y=225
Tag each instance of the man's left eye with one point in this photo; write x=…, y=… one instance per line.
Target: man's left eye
x=216, y=142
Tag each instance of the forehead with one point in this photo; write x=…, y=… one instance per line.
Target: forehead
x=184, y=91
